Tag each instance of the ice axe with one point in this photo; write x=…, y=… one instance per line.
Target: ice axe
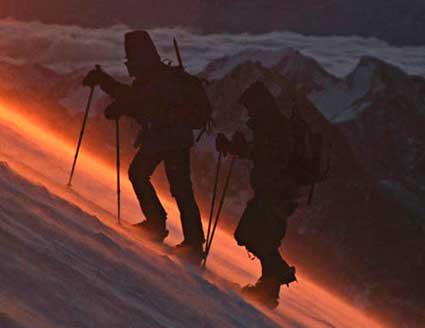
x=83, y=127
x=178, y=56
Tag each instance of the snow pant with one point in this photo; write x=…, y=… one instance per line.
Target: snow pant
x=261, y=230
x=273, y=265
x=177, y=168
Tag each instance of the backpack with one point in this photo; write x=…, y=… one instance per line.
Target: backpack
x=306, y=164
x=194, y=109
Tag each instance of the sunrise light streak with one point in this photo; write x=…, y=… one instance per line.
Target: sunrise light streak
x=96, y=182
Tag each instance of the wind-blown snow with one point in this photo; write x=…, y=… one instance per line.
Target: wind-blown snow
x=69, y=47
x=70, y=266
x=63, y=268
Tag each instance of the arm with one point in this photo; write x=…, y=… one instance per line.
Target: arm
x=114, y=88
x=107, y=83
x=237, y=146
x=240, y=147
x=142, y=103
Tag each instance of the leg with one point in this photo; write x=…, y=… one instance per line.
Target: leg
x=140, y=171
x=249, y=227
x=275, y=272
x=266, y=227
x=273, y=266
x=177, y=168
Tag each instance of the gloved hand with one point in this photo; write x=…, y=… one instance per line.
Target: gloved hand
x=113, y=111
x=238, y=144
x=222, y=144
x=94, y=77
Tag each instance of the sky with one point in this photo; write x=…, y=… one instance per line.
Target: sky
x=66, y=48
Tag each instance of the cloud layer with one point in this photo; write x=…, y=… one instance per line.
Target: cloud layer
x=66, y=48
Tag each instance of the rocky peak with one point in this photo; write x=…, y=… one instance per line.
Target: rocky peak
x=377, y=75
x=218, y=68
x=304, y=71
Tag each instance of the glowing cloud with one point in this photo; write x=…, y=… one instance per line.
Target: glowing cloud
x=67, y=48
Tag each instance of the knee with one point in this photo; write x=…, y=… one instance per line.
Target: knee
x=181, y=191
x=137, y=175
x=181, y=187
x=132, y=173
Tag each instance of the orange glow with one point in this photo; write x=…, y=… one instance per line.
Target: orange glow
x=46, y=159
x=43, y=137
x=61, y=150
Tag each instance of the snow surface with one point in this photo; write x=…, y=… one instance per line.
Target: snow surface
x=62, y=267
x=338, y=98
x=65, y=263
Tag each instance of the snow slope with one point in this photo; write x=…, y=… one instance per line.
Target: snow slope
x=63, y=267
x=65, y=263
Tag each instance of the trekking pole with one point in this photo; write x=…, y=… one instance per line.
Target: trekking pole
x=220, y=207
x=214, y=194
x=86, y=114
x=117, y=128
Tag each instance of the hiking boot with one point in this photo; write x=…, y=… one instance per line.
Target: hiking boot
x=155, y=232
x=287, y=276
x=265, y=291
x=190, y=251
